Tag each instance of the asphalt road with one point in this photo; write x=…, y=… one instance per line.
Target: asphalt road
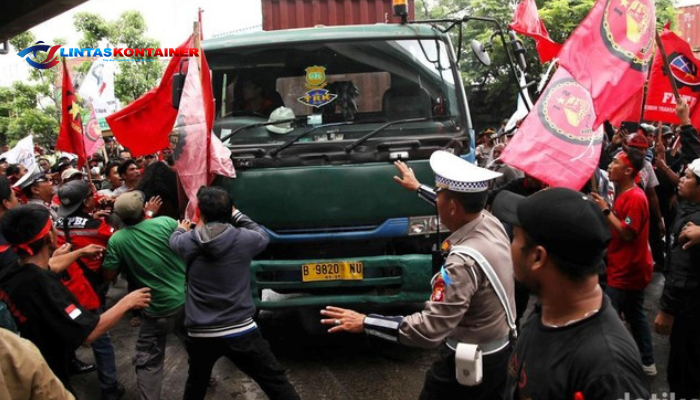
x=320, y=366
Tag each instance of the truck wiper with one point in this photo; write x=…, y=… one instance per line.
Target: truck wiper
x=381, y=128
x=256, y=125
x=283, y=146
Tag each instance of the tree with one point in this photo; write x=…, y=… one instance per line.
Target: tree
x=492, y=90
x=34, y=106
x=134, y=77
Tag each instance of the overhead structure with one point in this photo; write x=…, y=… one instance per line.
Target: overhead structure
x=19, y=16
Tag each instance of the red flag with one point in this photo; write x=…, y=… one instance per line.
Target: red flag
x=190, y=151
x=630, y=110
x=557, y=143
x=609, y=53
x=144, y=125
x=526, y=21
x=661, y=103
x=70, y=138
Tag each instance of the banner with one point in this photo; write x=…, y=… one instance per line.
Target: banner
x=92, y=139
x=70, y=137
x=97, y=88
x=22, y=153
x=661, y=103
x=557, y=143
x=526, y=21
x=609, y=52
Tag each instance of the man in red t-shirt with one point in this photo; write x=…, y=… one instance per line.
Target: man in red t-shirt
x=629, y=260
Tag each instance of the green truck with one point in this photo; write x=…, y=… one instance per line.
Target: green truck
x=356, y=98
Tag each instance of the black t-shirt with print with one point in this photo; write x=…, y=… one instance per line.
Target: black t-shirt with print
x=46, y=313
x=593, y=359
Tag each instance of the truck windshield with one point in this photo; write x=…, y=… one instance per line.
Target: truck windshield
x=351, y=87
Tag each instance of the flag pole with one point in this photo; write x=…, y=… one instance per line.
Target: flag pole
x=197, y=34
x=645, y=89
x=667, y=69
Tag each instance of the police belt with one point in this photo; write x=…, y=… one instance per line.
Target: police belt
x=486, y=348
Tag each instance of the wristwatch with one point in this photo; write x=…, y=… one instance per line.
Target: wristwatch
x=606, y=212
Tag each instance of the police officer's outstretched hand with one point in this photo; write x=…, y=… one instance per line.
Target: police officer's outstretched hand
x=408, y=179
x=343, y=320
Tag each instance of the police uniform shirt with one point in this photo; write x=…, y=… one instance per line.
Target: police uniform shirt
x=463, y=304
x=46, y=313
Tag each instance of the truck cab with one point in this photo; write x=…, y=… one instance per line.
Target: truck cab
x=314, y=119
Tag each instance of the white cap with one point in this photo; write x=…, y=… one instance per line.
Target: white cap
x=281, y=114
x=459, y=175
x=695, y=167
x=69, y=173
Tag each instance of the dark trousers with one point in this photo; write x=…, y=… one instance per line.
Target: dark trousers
x=684, y=357
x=630, y=303
x=251, y=354
x=150, y=350
x=441, y=382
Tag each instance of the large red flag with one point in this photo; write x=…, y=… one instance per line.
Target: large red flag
x=144, y=125
x=609, y=52
x=526, y=21
x=70, y=138
x=631, y=110
x=661, y=103
x=557, y=143
x=192, y=131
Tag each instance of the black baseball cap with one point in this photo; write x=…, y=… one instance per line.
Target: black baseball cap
x=565, y=222
x=71, y=196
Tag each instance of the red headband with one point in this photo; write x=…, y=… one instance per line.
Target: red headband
x=625, y=160
x=25, y=246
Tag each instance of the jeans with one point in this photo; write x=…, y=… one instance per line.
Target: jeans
x=251, y=354
x=630, y=303
x=441, y=381
x=105, y=361
x=150, y=351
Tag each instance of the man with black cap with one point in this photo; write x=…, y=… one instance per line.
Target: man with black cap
x=471, y=311
x=45, y=311
x=79, y=228
x=574, y=346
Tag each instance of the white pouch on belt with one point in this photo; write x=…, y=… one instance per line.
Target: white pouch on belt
x=468, y=364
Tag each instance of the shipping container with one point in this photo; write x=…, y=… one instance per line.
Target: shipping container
x=290, y=14
x=689, y=25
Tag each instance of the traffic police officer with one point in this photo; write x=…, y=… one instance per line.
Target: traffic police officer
x=472, y=295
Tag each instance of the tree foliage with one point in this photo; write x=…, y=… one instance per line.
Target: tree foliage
x=134, y=78
x=34, y=106
x=492, y=90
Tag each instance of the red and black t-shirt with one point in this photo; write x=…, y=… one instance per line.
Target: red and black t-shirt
x=84, y=230
x=46, y=313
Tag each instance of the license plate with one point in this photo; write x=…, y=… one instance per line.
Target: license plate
x=332, y=271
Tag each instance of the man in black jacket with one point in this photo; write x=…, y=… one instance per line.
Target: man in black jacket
x=219, y=306
x=679, y=312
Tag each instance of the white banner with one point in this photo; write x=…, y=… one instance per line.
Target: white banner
x=22, y=153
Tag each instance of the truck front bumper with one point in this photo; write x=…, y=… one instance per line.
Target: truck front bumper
x=387, y=279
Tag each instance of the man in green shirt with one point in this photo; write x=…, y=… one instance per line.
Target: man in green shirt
x=142, y=248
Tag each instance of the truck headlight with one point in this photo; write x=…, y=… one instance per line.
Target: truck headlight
x=425, y=225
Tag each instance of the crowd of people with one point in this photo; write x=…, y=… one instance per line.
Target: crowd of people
x=585, y=257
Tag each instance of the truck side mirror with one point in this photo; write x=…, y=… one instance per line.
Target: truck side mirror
x=480, y=52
